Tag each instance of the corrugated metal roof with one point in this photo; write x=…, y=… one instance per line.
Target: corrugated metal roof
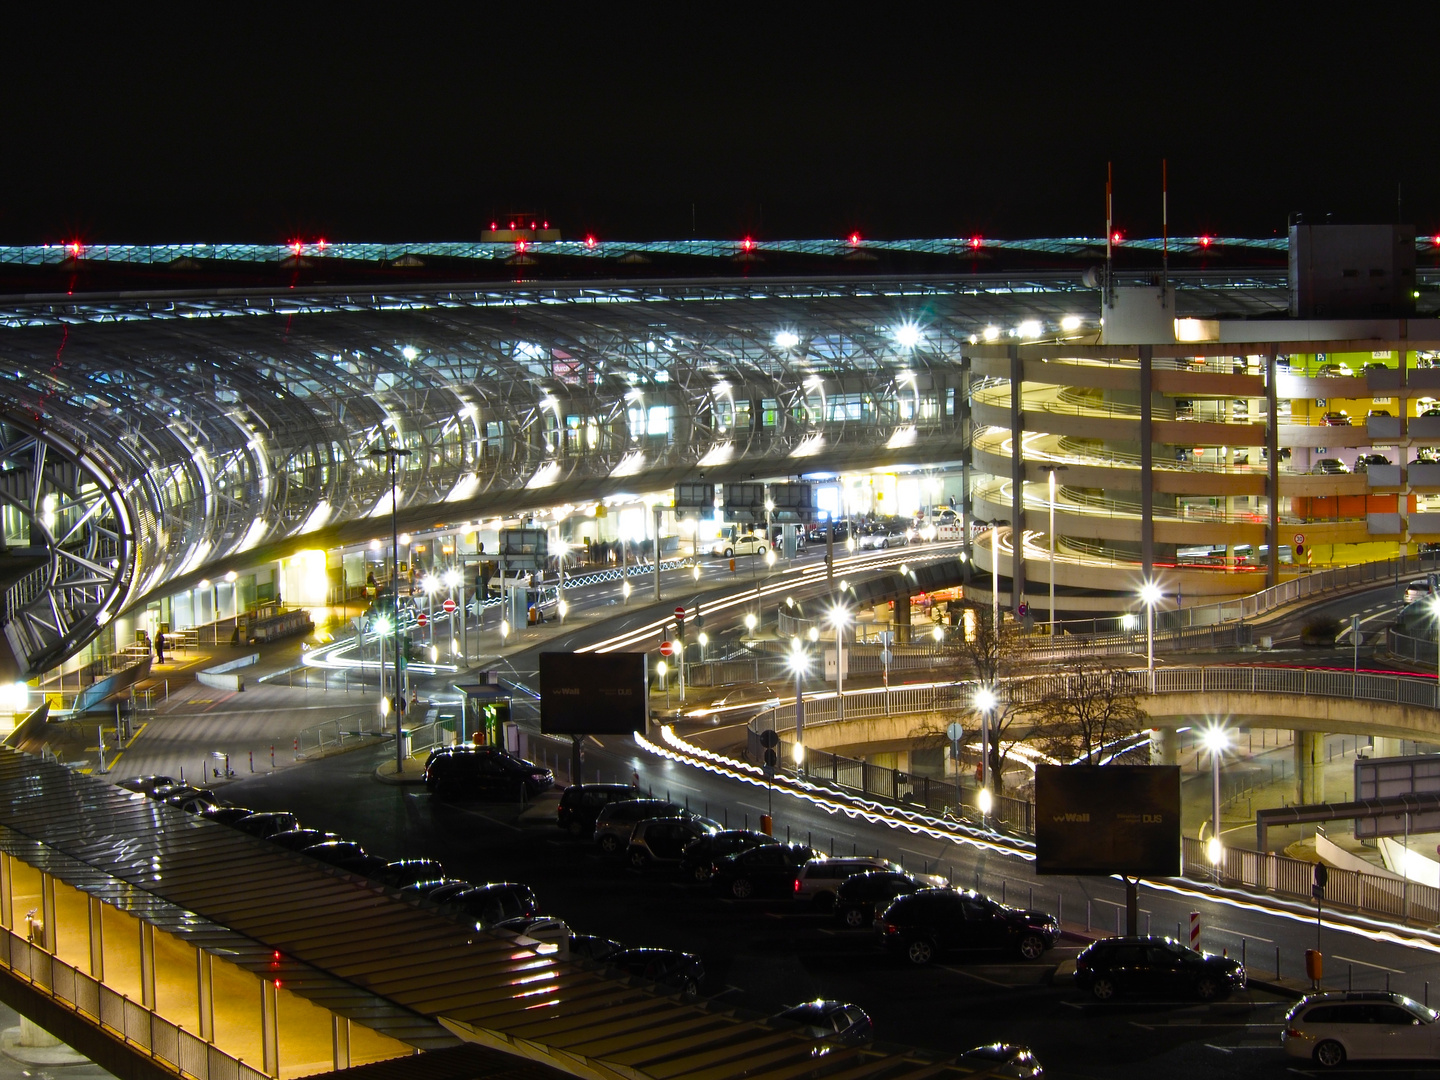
x=358, y=949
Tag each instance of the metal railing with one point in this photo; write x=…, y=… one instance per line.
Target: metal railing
x=1282, y=876
x=344, y=733
x=139, y=1028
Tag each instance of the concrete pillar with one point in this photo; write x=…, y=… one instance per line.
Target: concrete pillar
x=1388, y=747
x=1272, y=472
x=1164, y=746
x=47, y=911
x=340, y=1038
x=270, y=1027
x=1017, y=480
x=7, y=892
x=147, y=965
x=205, y=993
x=96, y=909
x=1309, y=767
x=1147, y=449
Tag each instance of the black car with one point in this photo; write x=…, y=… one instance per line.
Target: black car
x=403, y=872
x=486, y=905
x=925, y=924
x=226, y=815
x=658, y=841
x=190, y=799
x=760, y=871
x=860, y=896
x=835, y=1023
x=580, y=804
x=436, y=891
x=1364, y=461
x=484, y=772
x=700, y=855
x=680, y=971
x=590, y=947
x=300, y=839
x=266, y=824
x=346, y=855
x=1157, y=966
x=145, y=785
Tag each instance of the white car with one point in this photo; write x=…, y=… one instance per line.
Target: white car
x=1333, y=1028
x=1418, y=589
x=749, y=544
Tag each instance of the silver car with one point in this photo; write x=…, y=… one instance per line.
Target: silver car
x=617, y=821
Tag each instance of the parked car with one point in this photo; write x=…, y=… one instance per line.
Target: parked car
x=1009, y=1060
x=226, y=815
x=885, y=535
x=346, y=855
x=861, y=895
x=300, y=839
x=662, y=840
x=403, y=872
x=1431, y=412
x=700, y=855
x=1377, y=412
x=546, y=929
x=819, y=534
x=190, y=799
x=436, y=891
x=591, y=947
x=1334, y=419
x=1333, y=1028
x=484, y=772
x=616, y=822
x=1419, y=589
x=145, y=785
x=748, y=544
x=817, y=880
x=760, y=871
x=733, y=702
x=1330, y=466
x=580, y=804
x=1364, y=461
x=487, y=905
x=267, y=823
x=1154, y=965
x=833, y=1023
x=680, y=971
x=926, y=924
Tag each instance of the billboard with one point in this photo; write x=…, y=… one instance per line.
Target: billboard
x=1380, y=778
x=524, y=549
x=1107, y=819
x=793, y=502
x=593, y=693
x=694, y=496
x=745, y=502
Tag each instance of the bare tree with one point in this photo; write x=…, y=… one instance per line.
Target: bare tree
x=1078, y=715
x=978, y=652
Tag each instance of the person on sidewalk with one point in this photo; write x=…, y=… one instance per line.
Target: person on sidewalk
x=160, y=648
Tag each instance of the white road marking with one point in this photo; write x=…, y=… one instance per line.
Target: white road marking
x=1366, y=963
x=1236, y=933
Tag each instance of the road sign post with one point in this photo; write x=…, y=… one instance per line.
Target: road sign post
x=955, y=733
x=770, y=741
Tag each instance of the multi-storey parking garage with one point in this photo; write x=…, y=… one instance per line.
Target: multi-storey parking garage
x=155, y=439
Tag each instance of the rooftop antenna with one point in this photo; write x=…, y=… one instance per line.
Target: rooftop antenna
x=1109, y=230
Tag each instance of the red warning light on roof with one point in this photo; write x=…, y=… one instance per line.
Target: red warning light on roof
x=1435, y=240
x=493, y=226
x=1115, y=238
x=1204, y=241
x=854, y=239
x=747, y=244
x=545, y=224
x=590, y=241
x=975, y=242
x=320, y=243
x=74, y=248
x=521, y=245
x=296, y=246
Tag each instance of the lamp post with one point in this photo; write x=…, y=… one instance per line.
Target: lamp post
x=839, y=616
x=1435, y=610
x=984, y=704
x=452, y=578
x=429, y=585
x=390, y=453
x=1150, y=594
x=995, y=570
x=1216, y=741
x=799, y=663
x=1052, y=470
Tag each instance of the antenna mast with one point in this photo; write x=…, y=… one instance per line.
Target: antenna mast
x=1109, y=228
x=1165, y=215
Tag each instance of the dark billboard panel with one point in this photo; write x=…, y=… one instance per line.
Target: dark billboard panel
x=1107, y=819
x=593, y=693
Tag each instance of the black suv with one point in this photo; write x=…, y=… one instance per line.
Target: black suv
x=580, y=805
x=769, y=870
x=481, y=772
x=681, y=971
x=700, y=855
x=1157, y=966
x=860, y=896
x=933, y=921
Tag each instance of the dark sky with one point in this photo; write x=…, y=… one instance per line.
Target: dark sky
x=406, y=122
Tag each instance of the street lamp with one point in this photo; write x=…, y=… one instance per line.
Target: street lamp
x=985, y=701
x=1434, y=610
x=995, y=570
x=451, y=579
x=799, y=663
x=390, y=453
x=750, y=622
x=839, y=616
x=1052, y=470
x=1216, y=739
x=1150, y=595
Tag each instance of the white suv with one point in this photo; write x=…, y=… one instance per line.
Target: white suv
x=817, y=880
x=1330, y=1029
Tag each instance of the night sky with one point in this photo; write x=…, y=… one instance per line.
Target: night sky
x=363, y=122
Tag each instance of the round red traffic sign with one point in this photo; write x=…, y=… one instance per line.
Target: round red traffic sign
x=422, y=619
x=666, y=648
x=1299, y=538
x=679, y=613
x=449, y=606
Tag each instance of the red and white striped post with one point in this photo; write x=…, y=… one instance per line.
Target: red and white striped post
x=1195, y=930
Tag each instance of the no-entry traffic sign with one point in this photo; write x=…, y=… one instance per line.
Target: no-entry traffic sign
x=666, y=648
x=449, y=606
x=421, y=619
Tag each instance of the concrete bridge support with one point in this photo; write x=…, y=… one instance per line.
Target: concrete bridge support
x=1164, y=746
x=1309, y=767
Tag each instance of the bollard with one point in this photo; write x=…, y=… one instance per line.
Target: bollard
x=1277, y=961
x=1002, y=892
x=902, y=860
x=252, y=760
x=787, y=834
x=727, y=817
x=272, y=758
x=1060, y=906
x=1087, y=915
x=832, y=847
x=1147, y=924
x=747, y=819
x=1349, y=977
x=1117, y=922
x=1242, y=952
x=297, y=747
x=950, y=876
x=1427, y=993
x=1387, y=982
x=1032, y=897
x=809, y=839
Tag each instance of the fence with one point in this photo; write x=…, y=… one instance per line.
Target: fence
x=1283, y=876
x=346, y=733
x=141, y=1029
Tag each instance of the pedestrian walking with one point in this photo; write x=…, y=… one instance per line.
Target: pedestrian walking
x=160, y=648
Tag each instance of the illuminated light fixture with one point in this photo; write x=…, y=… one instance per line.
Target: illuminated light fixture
x=1205, y=241
x=747, y=244
x=1214, y=850
x=409, y=352
x=464, y=487
x=382, y=504
x=1030, y=328
x=984, y=699
x=1071, y=323
x=787, y=339
x=904, y=436
x=990, y=333
x=258, y=528
x=854, y=239
x=797, y=751
x=630, y=464
x=1193, y=330
x=809, y=446
x=975, y=242
x=1116, y=237
x=590, y=241
x=908, y=335
x=545, y=475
